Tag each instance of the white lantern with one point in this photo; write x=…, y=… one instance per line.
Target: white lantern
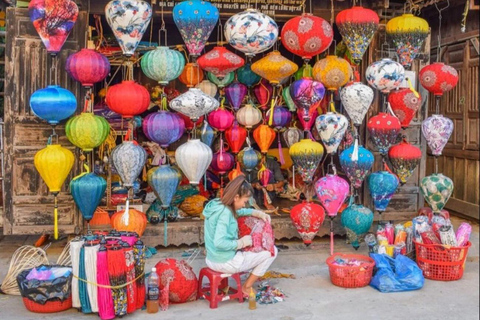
x=129, y=159
x=249, y=116
x=356, y=98
x=207, y=87
x=385, y=75
x=194, y=104
x=331, y=127
x=193, y=158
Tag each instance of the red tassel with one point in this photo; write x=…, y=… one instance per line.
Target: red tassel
x=220, y=156
x=105, y=300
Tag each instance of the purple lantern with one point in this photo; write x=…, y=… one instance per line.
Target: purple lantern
x=235, y=93
x=437, y=129
x=222, y=163
x=307, y=95
x=163, y=127
x=280, y=118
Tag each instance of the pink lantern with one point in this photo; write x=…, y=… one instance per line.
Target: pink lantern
x=222, y=163
x=332, y=191
x=221, y=119
x=312, y=116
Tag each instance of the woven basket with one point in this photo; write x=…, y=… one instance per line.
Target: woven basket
x=49, y=307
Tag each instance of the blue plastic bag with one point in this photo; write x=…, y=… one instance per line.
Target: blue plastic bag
x=396, y=275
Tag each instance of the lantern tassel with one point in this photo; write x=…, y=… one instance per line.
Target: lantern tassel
x=55, y=218
x=205, y=180
x=293, y=176
x=280, y=151
x=220, y=156
x=270, y=119
x=125, y=216
x=355, y=150
x=332, y=103
x=410, y=85
x=331, y=236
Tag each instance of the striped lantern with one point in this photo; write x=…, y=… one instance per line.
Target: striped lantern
x=128, y=98
x=193, y=158
x=246, y=76
x=249, y=158
x=163, y=127
x=87, y=190
x=222, y=163
x=280, y=119
x=53, y=104
x=235, y=93
x=221, y=82
x=288, y=99
x=264, y=136
x=128, y=159
x=191, y=75
x=87, y=67
x=249, y=116
x=263, y=92
x=164, y=181
x=208, y=87
x=221, y=119
x=236, y=136
x=87, y=131
x=220, y=61
x=162, y=64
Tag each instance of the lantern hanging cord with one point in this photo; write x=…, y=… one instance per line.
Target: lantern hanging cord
x=439, y=41
x=464, y=17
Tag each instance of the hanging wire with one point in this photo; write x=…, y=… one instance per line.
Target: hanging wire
x=439, y=41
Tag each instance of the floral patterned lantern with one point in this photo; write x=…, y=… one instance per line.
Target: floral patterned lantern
x=128, y=98
x=222, y=163
x=128, y=159
x=163, y=127
x=87, y=131
x=307, y=217
x=194, y=104
x=249, y=158
x=383, y=130
x=263, y=92
x=220, y=61
x=436, y=189
x=246, y=76
x=331, y=127
x=438, y=78
x=404, y=158
x=193, y=158
x=208, y=87
x=333, y=72
x=184, y=288
x=404, y=103
x=331, y=191
x=249, y=116
x=437, y=129
x=235, y=93
x=87, y=67
x=191, y=75
x=274, y=67
x=307, y=94
x=264, y=136
x=357, y=220
x=382, y=186
x=306, y=155
x=356, y=171
x=162, y=64
x=236, y=136
x=357, y=99
x=221, y=82
x=385, y=75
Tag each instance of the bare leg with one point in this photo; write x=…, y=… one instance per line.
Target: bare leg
x=247, y=286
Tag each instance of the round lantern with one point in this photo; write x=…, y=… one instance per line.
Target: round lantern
x=195, y=19
x=237, y=171
x=281, y=117
x=357, y=220
x=220, y=61
x=235, y=93
x=164, y=181
x=222, y=163
x=53, y=104
x=292, y=135
x=438, y=78
x=193, y=158
x=251, y=32
x=333, y=72
x=331, y=127
x=128, y=159
x=306, y=35
x=129, y=220
x=404, y=103
x=128, y=98
x=194, y=104
x=357, y=98
x=436, y=189
x=249, y=158
x=208, y=87
x=384, y=130
x=437, y=129
x=274, y=67
x=87, y=67
x=356, y=171
x=385, y=75
x=221, y=82
x=307, y=94
x=407, y=33
x=246, y=76
x=221, y=119
x=87, y=131
x=404, y=158
x=162, y=64
x=236, y=136
x=249, y=116
x=307, y=217
x=189, y=124
x=87, y=190
x=382, y=186
x=306, y=155
x=357, y=26
x=263, y=92
x=264, y=136
x=163, y=127
x=180, y=278
x=191, y=75
x=331, y=191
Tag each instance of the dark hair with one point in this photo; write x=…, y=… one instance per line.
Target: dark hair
x=238, y=186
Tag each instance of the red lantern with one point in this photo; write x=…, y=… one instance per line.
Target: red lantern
x=384, y=130
x=222, y=163
x=221, y=119
x=306, y=35
x=404, y=158
x=220, y=61
x=181, y=280
x=438, y=78
x=171, y=93
x=307, y=217
x=236, y=136
x=128, y=98
x=263, y=92
x=87, y=67
x=404, y=103
x=189, y=123
x=312, y=116
x=264, y=137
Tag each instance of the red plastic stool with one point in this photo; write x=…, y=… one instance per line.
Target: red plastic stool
x=218, y=285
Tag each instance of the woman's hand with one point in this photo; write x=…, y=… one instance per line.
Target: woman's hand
x=262, y=215
x=245, y=241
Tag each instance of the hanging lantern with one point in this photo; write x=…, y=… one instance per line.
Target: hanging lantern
x=236, y=136
x=251, y=32
x=307, y=217
x=193, y=158
x=264, y=175
x=437, y=129
x=385, y=75
x=331, y=127
x=249, y=158
x=356, y=171
x=305, y=71
x=194, y=104
x=53, y=21
x=87, y=190
x=246, y=76
x=263, y=92
x=195, y=19
x=163, y=127
x=436, y=189
x=357, y=98
x=404, y=158
x=407, y=33
x=221, y=82
x=404, y=104
x=164, y=181
x=220, y=61
x=287, y=98
x=264, y=137
x=191, y=75
x=128, y=159
x=331, y=191
x=274, y=67
x=357, y=221
x=438, y=78
x=384, y=131
x=128, y=20
x=189, y=124
x=382, y=186
x=207, y=134
x=292, y=135
x=87, y=131
x=249, y=116
x=307, y=94
x=128, y=99
x=222, y=163
x=208, y=87
x=235, y=172
x=129, y=220
x=162, y=64
x=306, y=155
x=311, y=117
x=357, y=26
x=221, y=119
x=333, y=72
x=306, y=35
x=280, y=119
x=53, y=104
x=87, y=67
x=235, y=93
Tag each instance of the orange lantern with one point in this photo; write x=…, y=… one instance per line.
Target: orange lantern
x=129, y=220
x=191, y=75
x=264, y=137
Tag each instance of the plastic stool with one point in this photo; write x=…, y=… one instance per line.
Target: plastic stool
x=218, y=284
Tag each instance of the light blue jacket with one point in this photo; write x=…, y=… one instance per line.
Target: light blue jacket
x=221, y=230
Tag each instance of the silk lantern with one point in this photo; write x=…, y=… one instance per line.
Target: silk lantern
x=191, y=75
x=382, y=186
x=207, y=134
x=208, y=87
x=438, y=78
x=87, y=67
x=356, y=171
x=249, y=158
x=128, y=159
x=53, y=104
x=236, y=136
x=221, y=82
x=87, y=190
x=249, y=116
x=385, y=75
x=384, y=130
x=220, y=61
x=193, y=158
x=357, y=98
x=287, y=98
x=235, y=93
x=304, y=71
x=404, y=158
x=162, y=64
x=307, y=118
x=54, y=163
x=129, y=220
x=194, y=104
x=263, y=92
x=307, y=218
x=53, y=21
x=437, y=129
x=87, y=131
x=306, y=94
x=357, y=26
x=279, y=120
x=264, y=137
x=128, y=98
x=128, y=20
x=333, y=72
x=306, y=155
x=332, y=191
x=292, y=135
x=331, y=127
x=357, y=220
x=164, y=181
x=189, y=124
x=246, y=76
x=221, y=120
x=404, y=103
x=237, y=171
x=163, y=127
x=274, y=67
x=222, y=163
x=436, y=189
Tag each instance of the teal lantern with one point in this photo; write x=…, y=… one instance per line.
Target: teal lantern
x=357, y=220
x=246, y=76
x=164, y=181
x=382, y=186
x=163, y=64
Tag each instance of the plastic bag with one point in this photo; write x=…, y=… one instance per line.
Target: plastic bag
x=396, y=275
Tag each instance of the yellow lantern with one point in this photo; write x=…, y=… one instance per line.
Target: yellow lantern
x=306, y=155
x=87, y=131
x=54, y=164
x=274, y=67
x=333, y=72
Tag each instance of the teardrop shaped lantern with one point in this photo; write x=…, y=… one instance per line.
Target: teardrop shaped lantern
x=307, y=217
x=307, y=95
x=382, y=186
x=129, y=159
x=87, y=131
x=191, y=75
x=207, y=134
x=292, y=135
x=194, y=104
x=235, y=93
x=193, y=158
x=438, y=78
x=249, y=116
x=87, y=190
x=221, y=82
x=356, y=171
x=404, y=103
x=246, y=76
x=263, y=92
x=220, y=61
x=357, y=220
x=87, y=67
x=357, y=99
x=385, y=75
x=163, y=127
x=404, y=157
x=128, y=19
x=333, y=72
x=274, y=67
x=332, y=191
x=436, y=189
x=236, y=136
x=164, y=181
x=384, y=130
x=331, y=127
x=195, y=19
x=162, y=64
x=237, y=171
x=437, y=129
x=264, y=137
x=53, y=104
x=222, y=163
x=306, y=155
x=307, y=118
x=128, y=98
x=249, y=158
x=208, y=87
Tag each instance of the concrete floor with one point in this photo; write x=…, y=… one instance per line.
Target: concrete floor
x=310, y=296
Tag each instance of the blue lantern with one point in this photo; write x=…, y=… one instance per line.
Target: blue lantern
x=356, y=171
x=53, y=104
x=249, y=158
x=207, y=134
x=246, y=76
x=164, y=180
x=382, y=186
x=87, y=190
x=357, y=220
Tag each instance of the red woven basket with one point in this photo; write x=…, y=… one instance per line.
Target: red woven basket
x=49, y=307
x=350, y=276
x=439, y=262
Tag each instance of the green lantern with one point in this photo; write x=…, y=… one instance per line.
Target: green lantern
x=225, y=81
x=304, y=72
x=163, y=64
x=87, y=131
x=436, y=189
